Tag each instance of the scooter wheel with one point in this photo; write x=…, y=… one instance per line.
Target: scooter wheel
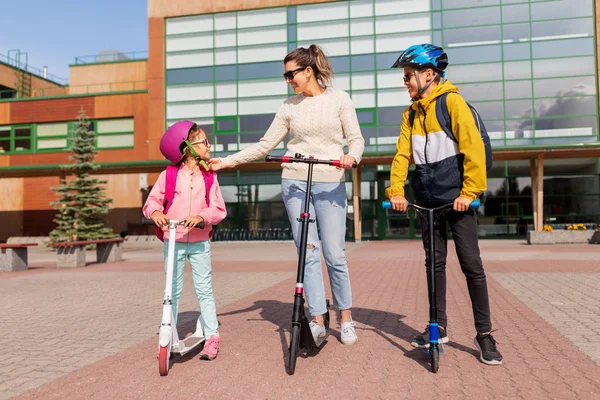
x=294, y=344
x=163, y=360
x=435, y=359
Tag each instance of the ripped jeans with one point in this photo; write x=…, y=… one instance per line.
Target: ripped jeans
x=328, y=207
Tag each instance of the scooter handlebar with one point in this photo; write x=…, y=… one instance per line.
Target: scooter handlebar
x=299, y=158
x=149, y=221
x=474, y=204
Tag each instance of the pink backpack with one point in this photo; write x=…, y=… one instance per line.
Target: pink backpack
x=171, y=180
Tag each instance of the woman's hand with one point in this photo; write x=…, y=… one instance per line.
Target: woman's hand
x=462, y=204
x=215, y=164
x=159, y=218
x=347, y=162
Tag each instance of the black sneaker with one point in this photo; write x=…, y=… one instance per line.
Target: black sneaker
x=488, y=352
x=422, y=340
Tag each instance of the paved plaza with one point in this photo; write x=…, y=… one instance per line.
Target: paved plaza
x=91, y=332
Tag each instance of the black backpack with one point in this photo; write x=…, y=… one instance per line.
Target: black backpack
x=441, y=111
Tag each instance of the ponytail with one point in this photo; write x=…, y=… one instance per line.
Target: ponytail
x=315, y=58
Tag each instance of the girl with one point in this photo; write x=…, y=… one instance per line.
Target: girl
x=186, y=146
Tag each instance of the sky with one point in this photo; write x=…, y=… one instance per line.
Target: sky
x=54, y=32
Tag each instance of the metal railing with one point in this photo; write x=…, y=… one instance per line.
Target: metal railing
x=75, y=90
x=17, y=63
x=111, y=57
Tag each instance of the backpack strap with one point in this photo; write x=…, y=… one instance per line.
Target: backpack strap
x=411, y=116
x=171, y=180
x=209, y=179
x=443, y=116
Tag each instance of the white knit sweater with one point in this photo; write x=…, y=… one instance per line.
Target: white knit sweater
x=317, y=126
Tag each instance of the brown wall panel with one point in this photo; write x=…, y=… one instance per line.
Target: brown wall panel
x=8, y=76
x=113, y=106
x=4, y=113
x=169, y=8
x=12, y=224
x=12, y=198
x=123, y=189
x=37, y=194
x=50, y=110
x=93, y=76
x=40, y=159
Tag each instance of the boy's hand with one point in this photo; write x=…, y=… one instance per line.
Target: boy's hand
x=191, y=221
x=215, y=164
x=159, y=218
x=399, y=203
x=461, y=204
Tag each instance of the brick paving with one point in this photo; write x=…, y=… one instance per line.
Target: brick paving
x=91, y=333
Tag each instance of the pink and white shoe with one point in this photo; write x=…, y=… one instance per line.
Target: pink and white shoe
x=211, y=348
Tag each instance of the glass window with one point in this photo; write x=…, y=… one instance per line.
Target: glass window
x=22, y=132
x=361, y=27
x=115, y=125
x=489, y=109
x=519, y=108
x=269, y=16
x=468, y=3
x=386, y=60
x=471, y=17
x=259, y=70
x=466, y=36
x=515, y=13
x=291, y=15
x=363, y=45
x=189, y=75
x=363, y=63
x=366, y=116
x=564, y=28
x=225, y=21
x=475, y=72
x=195, y=23
x=115, y=141
x=260, y=122
x=561, y=9
x=482, y=91
x=292, y=33
x=475, y=54
x=340, y=64
x=403, y=23
x=390, y=115
x=565, y=106
x=517, y=70
x=4, y=132
x=228, y=124
x=565, y=86
x=323, y=30
x=554, y=67
x=515, y=33
x=517, y=51
x=517, y=89
x=322, y=12
x=568, y=48
x=436, y=20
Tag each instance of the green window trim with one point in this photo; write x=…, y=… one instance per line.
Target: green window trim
x=233, y=118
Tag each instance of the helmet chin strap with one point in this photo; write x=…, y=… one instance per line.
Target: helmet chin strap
x=422, y=90
x=195, y=155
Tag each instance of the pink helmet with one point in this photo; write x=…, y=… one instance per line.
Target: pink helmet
x=170, y=144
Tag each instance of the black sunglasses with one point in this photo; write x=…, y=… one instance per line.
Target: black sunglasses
x=288, y=76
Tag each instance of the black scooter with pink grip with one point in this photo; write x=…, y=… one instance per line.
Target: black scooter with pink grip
x=301, y=338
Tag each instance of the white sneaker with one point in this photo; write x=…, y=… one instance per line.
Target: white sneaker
x=318, y=332
x=348, y=335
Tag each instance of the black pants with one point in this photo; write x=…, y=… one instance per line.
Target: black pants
x=464, y=232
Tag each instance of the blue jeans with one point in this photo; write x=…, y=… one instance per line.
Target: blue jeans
x=328, y=207
x=199, y=255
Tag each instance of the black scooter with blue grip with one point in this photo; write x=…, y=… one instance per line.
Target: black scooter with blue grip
x=435, y=348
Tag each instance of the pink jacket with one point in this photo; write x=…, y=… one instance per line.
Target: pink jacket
x=189, y=200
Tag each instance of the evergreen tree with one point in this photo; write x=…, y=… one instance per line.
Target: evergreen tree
x=83, y=205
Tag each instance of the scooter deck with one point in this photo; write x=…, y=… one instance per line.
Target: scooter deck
x=186, y=345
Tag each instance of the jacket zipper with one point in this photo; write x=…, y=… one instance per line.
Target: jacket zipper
x=425, y=150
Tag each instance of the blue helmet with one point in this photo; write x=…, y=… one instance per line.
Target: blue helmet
x=422, y=56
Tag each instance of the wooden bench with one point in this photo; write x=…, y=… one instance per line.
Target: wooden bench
x=72, y=254
x=13, y=256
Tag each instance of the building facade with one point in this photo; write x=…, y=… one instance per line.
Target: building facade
x=529, y=67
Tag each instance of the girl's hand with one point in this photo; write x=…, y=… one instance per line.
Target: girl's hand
x=215, y=164
x=347, y=162
x=159, y=218
x=191, y=221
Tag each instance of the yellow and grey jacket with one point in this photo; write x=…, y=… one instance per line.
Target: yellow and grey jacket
x=444, y=169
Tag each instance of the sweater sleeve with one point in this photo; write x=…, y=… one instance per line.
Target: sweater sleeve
x=216, y=212
x=156, y=197
x=402, y=159
x=349, y=119
x=274, y=135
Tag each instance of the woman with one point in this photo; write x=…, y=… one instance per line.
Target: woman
x=317, y=119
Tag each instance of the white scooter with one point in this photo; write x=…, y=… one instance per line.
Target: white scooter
x=168, y=338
